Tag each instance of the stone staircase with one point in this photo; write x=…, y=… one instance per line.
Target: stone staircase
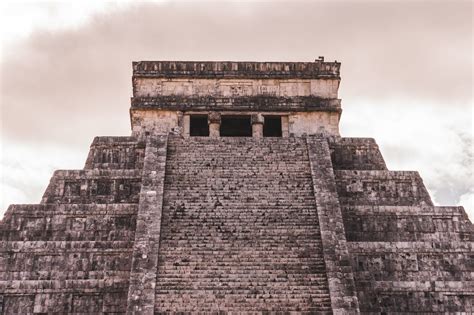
x=239, y=229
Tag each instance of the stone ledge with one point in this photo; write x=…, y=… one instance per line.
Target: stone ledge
x=60, y=274
x=356, y=154
x=435, y=211
x=409, y=247
x=115, y=153
x=387, y=188
x=463, y=287
x=60, y=286
x=115, y=140
x=65, y=246
x=46, y=209
x=243, y=103
x=97, y=173
x=232, y=69
x=399, y=224
x=414, y=300
x=379, y=174
x=412, y=275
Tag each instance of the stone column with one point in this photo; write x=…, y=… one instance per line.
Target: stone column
x=186, y=125
x=214, y=121
x=257, y=125
x=285, y=126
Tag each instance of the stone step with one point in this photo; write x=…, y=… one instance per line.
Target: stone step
x=115, y=153
x=398, y=223
x=93, y=186
x=239, y=217
x=416, y=296
x=69, y=222
x=418, y=247
x=47, y=274
x=415, y=275
x=424, y=261
x=356, y=154
x=21, y=211
x=383, y=188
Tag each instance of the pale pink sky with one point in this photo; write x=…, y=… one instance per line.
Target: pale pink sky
x=406, y=75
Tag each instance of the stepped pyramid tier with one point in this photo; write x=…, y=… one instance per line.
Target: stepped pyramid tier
x=235, y=193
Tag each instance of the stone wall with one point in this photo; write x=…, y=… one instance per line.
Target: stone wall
x=232, y=88
x=306, y=93
x=407, y=255
x=72, y=222
x=98, y=186
x=115, y=153
x=163, y=121
x=365, y=187
x=356, y=154
x=145, y=122
x=406, y=223
x=72, y=253
x=311, y=123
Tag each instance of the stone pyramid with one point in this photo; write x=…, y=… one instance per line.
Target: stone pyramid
x=235, y=193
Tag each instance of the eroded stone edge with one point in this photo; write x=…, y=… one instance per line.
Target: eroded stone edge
x=141, y=293
x=336, y=256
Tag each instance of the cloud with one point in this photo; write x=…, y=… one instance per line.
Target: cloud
x=409, y=60
x=467, y=200
x=413, y=135
x=27, y=167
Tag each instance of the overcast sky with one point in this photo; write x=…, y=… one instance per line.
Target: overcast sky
x=407, y=76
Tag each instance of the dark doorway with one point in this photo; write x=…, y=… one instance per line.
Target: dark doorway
x=198, y=126
x=272, y=126
x=236, y=126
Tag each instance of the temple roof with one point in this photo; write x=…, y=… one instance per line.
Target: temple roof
x=233, y=69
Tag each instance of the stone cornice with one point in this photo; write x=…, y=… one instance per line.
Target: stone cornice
x=252, y=103
x=319, y=69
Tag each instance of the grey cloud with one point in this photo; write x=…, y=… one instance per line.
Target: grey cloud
x=56, y=84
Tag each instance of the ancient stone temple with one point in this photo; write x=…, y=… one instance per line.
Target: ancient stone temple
x=236, y=193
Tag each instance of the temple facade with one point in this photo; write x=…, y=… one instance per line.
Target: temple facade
x=235, y=193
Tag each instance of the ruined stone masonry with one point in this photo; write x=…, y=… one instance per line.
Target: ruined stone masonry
x=235, y=193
